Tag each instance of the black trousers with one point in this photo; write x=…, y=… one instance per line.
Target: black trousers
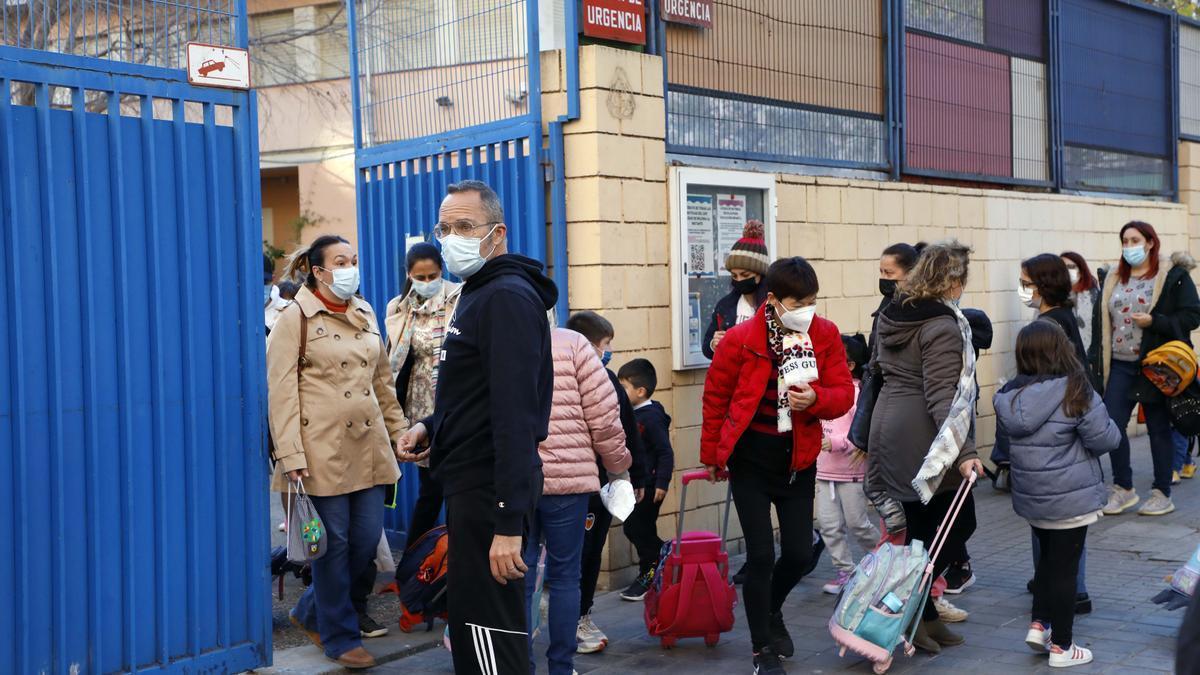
x=428, y=507
x=1054, y=581
x=760, y=478
x=923, y=521
x=642, y=530
x=488, y=622
x=598, y=522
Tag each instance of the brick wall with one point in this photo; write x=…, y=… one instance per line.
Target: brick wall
x=619, y=247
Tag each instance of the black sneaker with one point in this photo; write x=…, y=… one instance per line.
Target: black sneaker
x=817, y=548
x=637, y=590
x=739, y=577
x=1083, y=604
x=781, y=642
x=766, y=662
x=369, y=628
x=959, y=578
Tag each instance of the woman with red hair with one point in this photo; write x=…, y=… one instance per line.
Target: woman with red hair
x=1147, y=302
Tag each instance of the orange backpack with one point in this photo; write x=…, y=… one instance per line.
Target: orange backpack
x=1171, y=367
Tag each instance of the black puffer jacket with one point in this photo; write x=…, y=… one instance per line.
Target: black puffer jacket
x=1176, y=314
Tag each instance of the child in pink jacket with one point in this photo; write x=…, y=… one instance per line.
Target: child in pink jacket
x=841, y=503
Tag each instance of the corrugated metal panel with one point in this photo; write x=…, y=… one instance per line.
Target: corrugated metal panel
x=1031, y=140
x=1016, y=26
x=959, y=108
x=1189, y=79
x=822, y=53
x=959, y=19
x=131, y=403
x=1116, y=89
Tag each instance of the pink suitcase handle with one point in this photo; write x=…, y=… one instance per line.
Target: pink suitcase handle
x=702, y=474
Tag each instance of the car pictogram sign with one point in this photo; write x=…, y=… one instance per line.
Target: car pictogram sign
x=215, y=66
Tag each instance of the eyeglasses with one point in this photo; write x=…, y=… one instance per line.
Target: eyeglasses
x=462, y=228
x=1027, y=284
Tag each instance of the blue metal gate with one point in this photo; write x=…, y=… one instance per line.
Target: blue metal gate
x=442, y=92
x=131, y=357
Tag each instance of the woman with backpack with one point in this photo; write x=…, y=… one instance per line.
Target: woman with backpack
x=1058, y=427
x=336, y=423
x=773, y=379
x=1148, y=301
x=920, y=445
x=585, y=424
x=416, y=326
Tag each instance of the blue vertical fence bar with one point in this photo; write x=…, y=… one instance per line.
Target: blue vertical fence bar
x=132, y=401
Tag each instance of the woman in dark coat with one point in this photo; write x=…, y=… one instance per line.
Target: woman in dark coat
x=921, y=350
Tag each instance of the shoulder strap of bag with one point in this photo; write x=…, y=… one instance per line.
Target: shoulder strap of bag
x=302, y=361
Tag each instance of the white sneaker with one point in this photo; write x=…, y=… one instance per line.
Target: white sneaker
x=1038, y=637
x=948, y=613
x=1157, y=505
x=1120, y=500
x=588, y=638
x=1065, y=658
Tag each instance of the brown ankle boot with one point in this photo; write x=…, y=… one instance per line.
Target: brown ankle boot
x=941, y=634
x=356, y=659
x=925, y=643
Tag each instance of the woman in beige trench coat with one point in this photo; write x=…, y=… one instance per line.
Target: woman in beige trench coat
x=335, y=421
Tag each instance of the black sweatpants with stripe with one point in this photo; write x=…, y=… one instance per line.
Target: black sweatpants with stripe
x=488, y=624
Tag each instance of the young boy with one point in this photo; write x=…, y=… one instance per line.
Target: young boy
x=599, y=331
x=640, y=380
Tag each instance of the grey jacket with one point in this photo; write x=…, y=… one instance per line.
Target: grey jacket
x=919, y=351
x=1056, y=472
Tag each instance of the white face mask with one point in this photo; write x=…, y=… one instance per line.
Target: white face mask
x=798, y=319
x=345, y=282
x=1026, y=296
x=462, y=253
x=1074, y=275
x=427, y=289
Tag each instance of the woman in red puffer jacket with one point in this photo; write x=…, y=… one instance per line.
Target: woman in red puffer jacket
x=772, y=380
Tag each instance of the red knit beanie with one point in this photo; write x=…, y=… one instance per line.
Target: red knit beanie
x=750, y=252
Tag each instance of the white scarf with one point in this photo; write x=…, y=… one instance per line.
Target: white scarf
x=952, y=436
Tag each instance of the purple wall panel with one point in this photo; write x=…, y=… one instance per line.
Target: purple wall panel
x=959, y=105
x=1016, y=26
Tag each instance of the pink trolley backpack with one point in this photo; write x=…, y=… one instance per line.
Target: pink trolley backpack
x=691, y=595
x=880, y=607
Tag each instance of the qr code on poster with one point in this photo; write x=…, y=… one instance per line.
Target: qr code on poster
x=697, y=258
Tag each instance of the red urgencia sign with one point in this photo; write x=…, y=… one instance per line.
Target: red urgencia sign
x=690, y=12
x=621, y=20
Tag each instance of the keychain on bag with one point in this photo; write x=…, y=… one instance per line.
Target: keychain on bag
x=306, y=533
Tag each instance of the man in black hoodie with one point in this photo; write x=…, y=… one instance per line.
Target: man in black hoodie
x=491, y=410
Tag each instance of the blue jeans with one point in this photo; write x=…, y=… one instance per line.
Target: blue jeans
x=1118, y=398
x=1080, y=580
x=1182, y=458
x=353, y=524
x=559, y=522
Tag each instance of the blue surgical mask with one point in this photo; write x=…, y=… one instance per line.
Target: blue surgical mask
x=267, y=292
x=1134, y=255
x=605, y=358
x=427, y=289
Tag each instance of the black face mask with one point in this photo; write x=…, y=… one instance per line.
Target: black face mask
x=745, y=286
x=887, y=287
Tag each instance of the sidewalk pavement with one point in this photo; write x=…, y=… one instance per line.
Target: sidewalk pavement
x=1128, y=556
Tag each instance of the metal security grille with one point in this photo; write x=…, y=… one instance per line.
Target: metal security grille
x=145, y=32
x=781, y=80
x=1189, y=80
x=1117, y=84
x=426, y=67
x=976, y=97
